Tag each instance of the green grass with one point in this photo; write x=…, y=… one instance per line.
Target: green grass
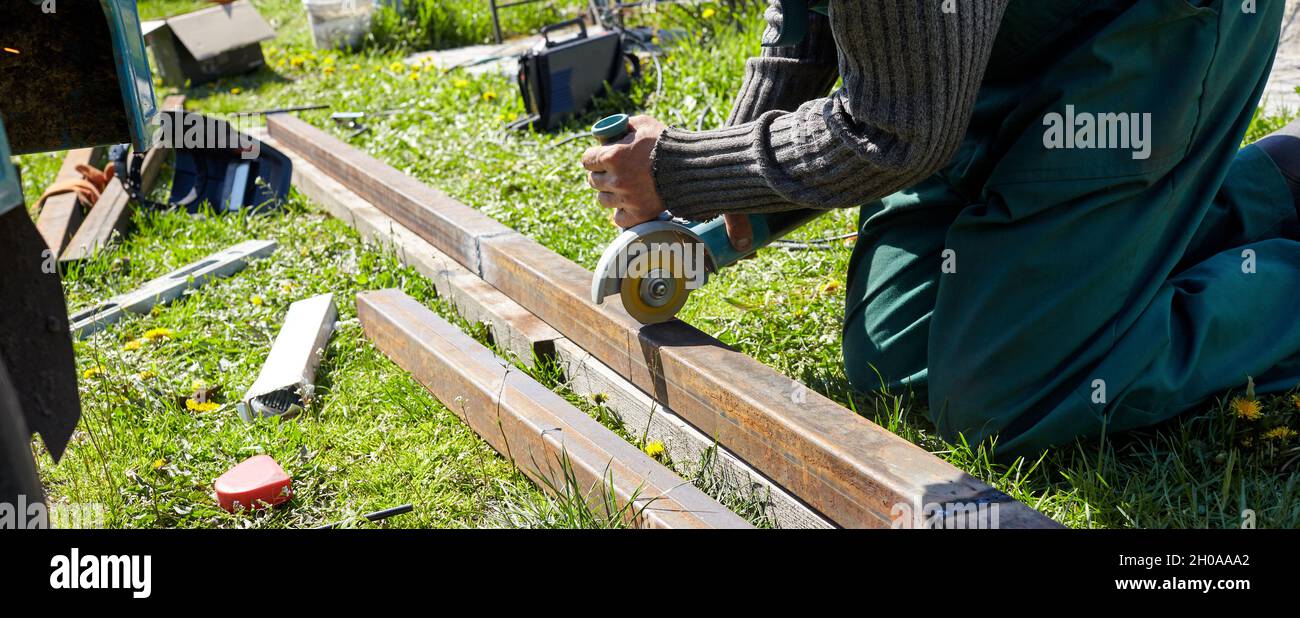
x=784, y=308
x=441, y=24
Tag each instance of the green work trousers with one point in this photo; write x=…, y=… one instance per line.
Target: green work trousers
x=1038, y=294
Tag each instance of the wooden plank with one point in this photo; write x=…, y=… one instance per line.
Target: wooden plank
x=524, y=335
x=524, y=421
x=451, y=226
x=112, y=213
x=62, y=214
x=850, y=470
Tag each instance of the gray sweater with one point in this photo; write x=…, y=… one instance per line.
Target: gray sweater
x=910, y=76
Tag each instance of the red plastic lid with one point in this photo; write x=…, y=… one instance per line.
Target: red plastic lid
x=254, y=483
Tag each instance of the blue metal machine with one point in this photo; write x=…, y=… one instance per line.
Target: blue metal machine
x=57, y=92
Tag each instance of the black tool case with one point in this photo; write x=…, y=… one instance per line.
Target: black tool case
x=559, y=79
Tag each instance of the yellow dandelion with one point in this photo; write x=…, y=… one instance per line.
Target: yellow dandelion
x=327, y=60
x=279, y=64
x=204, y=406
x=156, y=334
x=133, y=344
x=354, y=67
x=415, y=77
x=286, y=286
x=708, y=13
x=831, y=287
x=1246, y=408
x=1281, y=434
x=256, y=300
x=489, y=96
x=328, y=70
x=146, y=375
x=655, y=449
x=93, y=372
x=297, y=61
x=396, y=67
x=159, y=463
x=460, y=83
x=236, y=90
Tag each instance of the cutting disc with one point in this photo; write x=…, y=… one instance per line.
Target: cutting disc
x=656, y=289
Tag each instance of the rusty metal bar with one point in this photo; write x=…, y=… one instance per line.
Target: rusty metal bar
x=540, y=432
x=516, y=331
x=846, y=467
x=513, y=329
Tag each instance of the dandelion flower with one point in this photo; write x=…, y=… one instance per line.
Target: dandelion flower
x=708, y=13
x=655, y=449
x=354, y=67
x=93, y=372
x=396, y=67
x=1281, y=434
x=460, y=83
x=146, y=375
x=159, y=463
x=256, y=300
x=205, y=406
x=1245, y=408
x=297, y=61
x=133, y=344
x=831, y=287
x=489, y=96
x=415, y=77
x=328, y=70
x=156, y=334
x=236, y=90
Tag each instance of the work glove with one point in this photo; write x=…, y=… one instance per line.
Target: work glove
x=88, y=188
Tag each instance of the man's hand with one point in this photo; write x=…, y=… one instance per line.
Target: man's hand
x=621, y=172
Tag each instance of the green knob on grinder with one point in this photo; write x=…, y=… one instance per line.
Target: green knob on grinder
x=610, y=128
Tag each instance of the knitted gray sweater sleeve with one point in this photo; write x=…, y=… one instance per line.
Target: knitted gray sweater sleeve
x=910, y=76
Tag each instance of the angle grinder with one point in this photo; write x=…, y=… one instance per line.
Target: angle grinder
x=654, y=266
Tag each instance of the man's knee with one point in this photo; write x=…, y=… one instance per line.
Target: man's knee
x=876, y=360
